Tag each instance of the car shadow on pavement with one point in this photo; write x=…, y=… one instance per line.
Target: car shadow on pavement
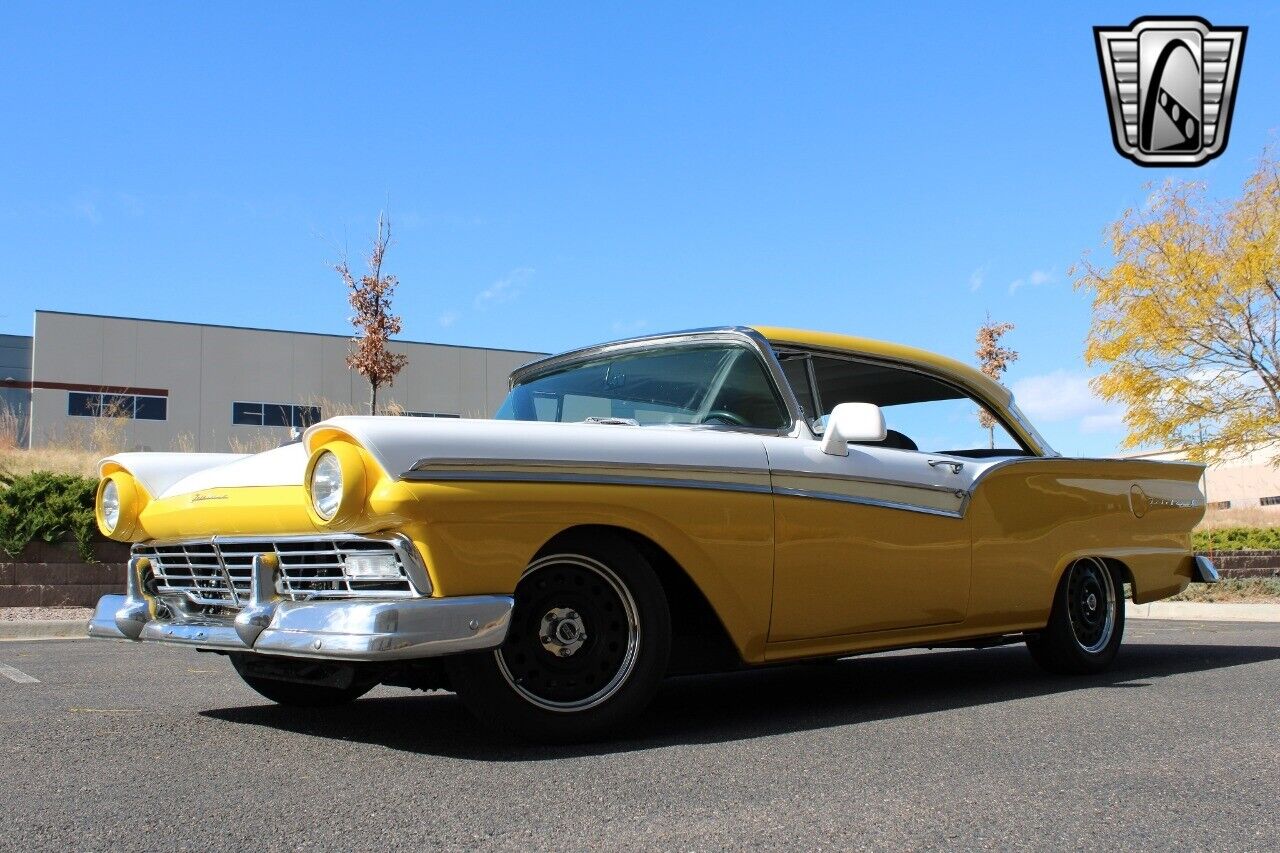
x=754, y=703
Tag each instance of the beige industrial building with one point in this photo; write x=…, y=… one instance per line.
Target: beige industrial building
x=195, y=386
x=1248, y=482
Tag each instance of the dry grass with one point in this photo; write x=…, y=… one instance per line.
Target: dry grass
x=12, y=429
x=59, y=460
x=1216, y=519
x=1233, y=589
x=255, y=442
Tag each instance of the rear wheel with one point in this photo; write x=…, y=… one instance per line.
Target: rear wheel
x=302, y=684
x=588, y=644
x=1087, y=622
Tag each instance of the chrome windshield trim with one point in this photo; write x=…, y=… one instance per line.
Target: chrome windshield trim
x=734, y=334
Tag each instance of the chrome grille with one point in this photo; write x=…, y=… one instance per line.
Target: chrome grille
x=216, y=572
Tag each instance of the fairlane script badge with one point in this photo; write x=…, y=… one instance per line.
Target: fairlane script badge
x=207, y=497
x=1170, y=85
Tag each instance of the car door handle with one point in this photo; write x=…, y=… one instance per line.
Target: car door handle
x=953, y=465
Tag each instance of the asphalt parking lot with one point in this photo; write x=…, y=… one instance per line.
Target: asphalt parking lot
x=126, y=747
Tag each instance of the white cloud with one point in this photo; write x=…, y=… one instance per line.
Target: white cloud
x=1035, y=278
x=1066, y=396
x=504, y=289
x=1109, y=422
x=448, y=318
x=977, y=277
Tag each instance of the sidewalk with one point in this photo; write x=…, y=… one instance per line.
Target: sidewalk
x=1204, y=611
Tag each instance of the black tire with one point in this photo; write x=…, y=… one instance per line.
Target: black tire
x=299, y=694
x=588, y=645
x=1086, y=625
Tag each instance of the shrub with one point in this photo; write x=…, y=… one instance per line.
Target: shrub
x=49, y=507
x=1237, y=539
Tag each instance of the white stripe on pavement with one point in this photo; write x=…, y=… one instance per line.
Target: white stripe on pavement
x=17, y=675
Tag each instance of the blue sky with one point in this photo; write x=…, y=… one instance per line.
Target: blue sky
x=559, y=174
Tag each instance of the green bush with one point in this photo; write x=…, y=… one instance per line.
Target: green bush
x=1237, y=539
x=49, y=507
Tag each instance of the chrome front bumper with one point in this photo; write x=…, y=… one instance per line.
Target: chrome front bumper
x=343, y=629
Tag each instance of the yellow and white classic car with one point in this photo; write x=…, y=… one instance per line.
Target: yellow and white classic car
x=708, y=499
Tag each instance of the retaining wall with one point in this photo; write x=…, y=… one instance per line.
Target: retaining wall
x=53, y=575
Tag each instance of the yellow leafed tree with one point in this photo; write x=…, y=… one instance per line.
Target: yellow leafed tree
x=1185, y=320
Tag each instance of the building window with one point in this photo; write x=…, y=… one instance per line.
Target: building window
x=135, y=406
x=274, y=414
x=428, y=415
x=1270, y=500
x=1219, y=505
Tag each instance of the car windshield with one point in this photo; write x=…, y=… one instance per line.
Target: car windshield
x=721, y=384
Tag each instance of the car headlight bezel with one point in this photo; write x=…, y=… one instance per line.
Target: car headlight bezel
x=326, y=485
x=342, y=462
x=110, y=505
x=128, y=505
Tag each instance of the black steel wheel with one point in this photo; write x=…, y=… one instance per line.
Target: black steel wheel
x=575, y=634
x=588, y=643
x=1087, y=621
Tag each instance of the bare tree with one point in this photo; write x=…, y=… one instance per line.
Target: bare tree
x=993, y=360
x=370, y=297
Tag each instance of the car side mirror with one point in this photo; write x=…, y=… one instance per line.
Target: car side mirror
x=852, y=422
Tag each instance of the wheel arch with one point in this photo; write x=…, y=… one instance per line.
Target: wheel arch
x=1116, y=565
x=700, y=641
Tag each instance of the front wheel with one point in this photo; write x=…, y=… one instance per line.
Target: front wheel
x=1087, y=621
x=588, y=645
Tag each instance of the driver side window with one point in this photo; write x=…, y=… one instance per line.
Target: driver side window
x=921, y=413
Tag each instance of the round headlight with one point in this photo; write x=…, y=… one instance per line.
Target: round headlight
x=111, y=505
x=326, y=485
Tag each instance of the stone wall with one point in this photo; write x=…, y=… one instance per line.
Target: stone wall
x=1247, y=564
x=53, y=575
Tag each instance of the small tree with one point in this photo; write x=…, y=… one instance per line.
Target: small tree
x=370, y=297
x=1185, y=321
x=993, y=360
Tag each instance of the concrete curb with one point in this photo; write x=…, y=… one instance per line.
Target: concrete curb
x=44, y=629
x=1204, y=611
x=1195, y=611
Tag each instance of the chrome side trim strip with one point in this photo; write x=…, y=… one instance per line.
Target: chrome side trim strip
x=865, y=501
x=434, y=463
x=877, y=481
x=475, y=473
x=583, y=479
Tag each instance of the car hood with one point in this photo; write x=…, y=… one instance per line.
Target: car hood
x=400, y=444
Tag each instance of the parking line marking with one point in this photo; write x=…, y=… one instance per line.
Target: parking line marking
x=17, y=675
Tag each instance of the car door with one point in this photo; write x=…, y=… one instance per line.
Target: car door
x=872, y=541
x=877, y=540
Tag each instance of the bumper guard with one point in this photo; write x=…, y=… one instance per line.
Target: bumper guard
x=350, y=629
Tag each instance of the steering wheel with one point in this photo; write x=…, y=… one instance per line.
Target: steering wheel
x=723, y=415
